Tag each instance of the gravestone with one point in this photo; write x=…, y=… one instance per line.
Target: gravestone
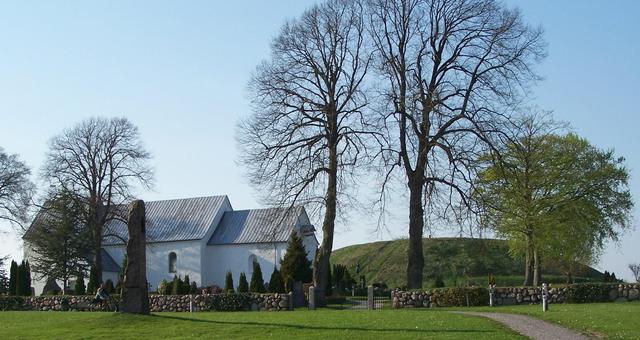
x=135, y=293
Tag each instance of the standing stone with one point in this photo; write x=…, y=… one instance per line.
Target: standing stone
x=135, y=295
x=370, y=299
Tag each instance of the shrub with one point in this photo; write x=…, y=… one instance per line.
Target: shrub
x=11, y=303
x=243, y=285
x=162, y=287
x=589, y=292
x=212, y=290
x=228, y=283
x=257, y=282
x=276, y=284
x=438, y=283
x=80, y=288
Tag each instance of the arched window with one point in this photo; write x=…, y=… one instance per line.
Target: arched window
x=173, y=259
x=252, y=259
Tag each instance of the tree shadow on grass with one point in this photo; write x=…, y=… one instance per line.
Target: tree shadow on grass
x=327, y=328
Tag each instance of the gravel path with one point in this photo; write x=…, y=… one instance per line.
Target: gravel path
x=531, y=327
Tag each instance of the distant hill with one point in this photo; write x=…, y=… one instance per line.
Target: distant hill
x=458, y=260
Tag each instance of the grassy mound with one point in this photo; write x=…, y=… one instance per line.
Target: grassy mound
x=456, y=260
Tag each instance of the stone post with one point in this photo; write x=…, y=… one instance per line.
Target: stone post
x=312, y=297
x=545, y=298
x=370, y=299
x=290, y=300
x=135, y=293
x=190, y=303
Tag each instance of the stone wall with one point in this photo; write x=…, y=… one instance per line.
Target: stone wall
x=160, y=303
x=508, y=295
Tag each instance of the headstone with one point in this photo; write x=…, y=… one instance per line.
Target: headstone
x=370, y=301
x=135, y=293
x=312, y=297
x=491, y=294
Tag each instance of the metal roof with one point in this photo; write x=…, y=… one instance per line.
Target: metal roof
x=108, y=263
x=171, y=220
x=256, y=226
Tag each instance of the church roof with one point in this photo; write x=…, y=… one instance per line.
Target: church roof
x=256, y=226
x=171, y=220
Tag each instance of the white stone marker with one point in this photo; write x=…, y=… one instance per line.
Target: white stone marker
x=370, y=300
x=545, y=298
x=312, y=297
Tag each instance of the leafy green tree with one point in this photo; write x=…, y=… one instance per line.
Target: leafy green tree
x=553, y=194
x=80, y=288
x=295, y=264
x=257, y=282
x=243, y=285
x=58, y=239
x=228, y=283
x=276, y=284
x=16, y=189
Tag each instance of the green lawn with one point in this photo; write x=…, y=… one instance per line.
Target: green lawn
x=320, y=324
x=608, y=320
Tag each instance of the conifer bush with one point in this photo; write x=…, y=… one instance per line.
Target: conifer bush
x=295, y=264
x=257, y=282
x=228, y=283
x=243, y=285
x=80, y=288
x=276, y=284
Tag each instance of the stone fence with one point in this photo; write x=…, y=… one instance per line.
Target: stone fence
x=477, y=296
x=169, y=303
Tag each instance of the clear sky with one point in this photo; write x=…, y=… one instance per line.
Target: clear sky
x=179, y=69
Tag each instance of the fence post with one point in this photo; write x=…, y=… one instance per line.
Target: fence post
x=545, y=298
x=491, y=294
x=312, y=297
x=370, y=299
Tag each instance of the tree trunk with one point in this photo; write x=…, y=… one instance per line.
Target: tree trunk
x=529, y=263
x=537, y=277
x=415, y=262
x=321, y=260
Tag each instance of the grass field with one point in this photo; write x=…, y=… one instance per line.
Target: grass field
x=608, y=320
x=320, y=324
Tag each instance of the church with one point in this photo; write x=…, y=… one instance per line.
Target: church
x=205, y=238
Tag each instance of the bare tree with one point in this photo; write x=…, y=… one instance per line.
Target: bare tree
x=307, y=133
x=451, y=69
x=16, y=189
x=98, y=160
x=635, y=269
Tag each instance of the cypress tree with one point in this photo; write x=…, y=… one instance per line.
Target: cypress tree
x=276, y=285
x=295, y=264
x=93, y=284
x=22, y=280
x=243, y=285
x=186, y=285
x=27, y=270
x=257, y=282
x=80, y=288
x=194, y=288
x=13, y=278
x=108, y=286
x=228, y=283
x=613, y=278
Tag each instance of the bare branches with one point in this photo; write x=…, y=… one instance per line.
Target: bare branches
x=16, y=189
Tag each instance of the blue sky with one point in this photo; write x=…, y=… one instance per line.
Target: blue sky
x=179, y=69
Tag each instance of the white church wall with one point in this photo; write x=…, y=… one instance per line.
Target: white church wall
x=235, y=258
x=187, y=263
